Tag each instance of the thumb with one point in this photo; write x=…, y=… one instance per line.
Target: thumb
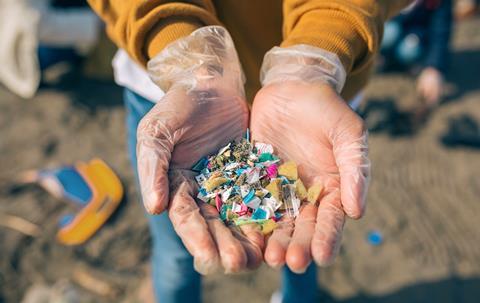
x=154, y=148
x=351, y=155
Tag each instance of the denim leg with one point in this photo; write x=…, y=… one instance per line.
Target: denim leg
x=174, y=279
x=409, y=50
x=301, y=288
x=48, y=56
x=392, y=33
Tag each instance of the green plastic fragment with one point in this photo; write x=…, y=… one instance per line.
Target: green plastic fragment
x=266, y=157
x=240, y=222
x=224, y=211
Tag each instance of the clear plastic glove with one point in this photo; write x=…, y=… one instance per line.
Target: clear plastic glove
x=203, y=109
x=300, y=113
x=430, y=85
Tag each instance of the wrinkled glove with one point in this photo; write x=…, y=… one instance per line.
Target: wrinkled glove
x=203, y=109
x=298, y=111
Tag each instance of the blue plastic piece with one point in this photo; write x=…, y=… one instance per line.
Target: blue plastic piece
x=74, y=186
x=200, y=165
x=374, y=238
x=284, y=180
x=65, y=220
x=259, y=214
x=239, y=171
x=249, y=196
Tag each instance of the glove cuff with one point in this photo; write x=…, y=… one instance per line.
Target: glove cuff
x=206, y=54
x=302, y=62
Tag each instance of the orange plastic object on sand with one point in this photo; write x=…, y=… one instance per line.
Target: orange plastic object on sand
x=107, y=192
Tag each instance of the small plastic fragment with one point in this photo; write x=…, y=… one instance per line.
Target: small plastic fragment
x=275, y=188
x=289, y=170
x=218, y=202
x=248, y=197
x=200, y=179
x=300, y=190
x=268, y=226
x=292, y=203
x=226, y=194
x=265, y=157
x=213, y=183
x=272, y=171
x=247, y=184
x=259, y=214
x=253, y=175
x=374, y=238
x=263, y=148
x=253, y=203
x=200, y=165
x=314, y=192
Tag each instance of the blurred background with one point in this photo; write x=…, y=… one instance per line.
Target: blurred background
x=420, y=239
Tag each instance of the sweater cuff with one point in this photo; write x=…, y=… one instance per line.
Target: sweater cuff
x=337, y=32
x=168, y=31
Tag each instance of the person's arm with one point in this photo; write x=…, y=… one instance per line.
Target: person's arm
x=350, y=29
x=325, y=42
x=144, y=28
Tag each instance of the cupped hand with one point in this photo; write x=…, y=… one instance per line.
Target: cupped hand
x=311, y=125
x=203, y=109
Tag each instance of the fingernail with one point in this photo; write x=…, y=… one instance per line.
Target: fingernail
x=153, y=203
x=299, y=271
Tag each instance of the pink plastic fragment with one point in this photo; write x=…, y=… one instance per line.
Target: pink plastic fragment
x=243, y=210
x=272, y=171
x=218, y=202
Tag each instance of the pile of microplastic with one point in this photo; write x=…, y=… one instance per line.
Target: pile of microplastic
x=248, y=184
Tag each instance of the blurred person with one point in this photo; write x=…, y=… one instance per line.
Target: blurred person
x=418, y=38
x=194, y=103
x=37, y=34
x=466, y=8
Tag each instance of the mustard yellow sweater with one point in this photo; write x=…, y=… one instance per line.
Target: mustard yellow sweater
x=350, y=28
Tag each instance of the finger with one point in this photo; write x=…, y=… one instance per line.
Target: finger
x=192, y=228
x=253, y=242
x=277, y=244
x=299, y=254
x=351, y=154
x=328, y=230
x=232, y=253
x=154, y=149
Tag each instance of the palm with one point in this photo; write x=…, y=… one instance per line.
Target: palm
x=182, y=128
x=205, y=236
x=314, y=127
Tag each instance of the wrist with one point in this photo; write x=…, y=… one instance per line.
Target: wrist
x=203, y=59
x=303, y=63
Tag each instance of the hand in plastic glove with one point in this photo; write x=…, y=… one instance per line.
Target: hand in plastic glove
x=203, y=109
x=302, y=116
x=429, y=85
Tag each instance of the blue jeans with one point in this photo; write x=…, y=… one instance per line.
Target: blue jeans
x=405, y=47
x=174, y=279
x=48, y=56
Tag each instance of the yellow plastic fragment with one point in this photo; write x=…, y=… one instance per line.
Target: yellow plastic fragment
x=300, y=190
x=275, y=187
x=289, y=170
x=314, y=192
x=268, y=227
x=259, y=193
x=214, y=182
